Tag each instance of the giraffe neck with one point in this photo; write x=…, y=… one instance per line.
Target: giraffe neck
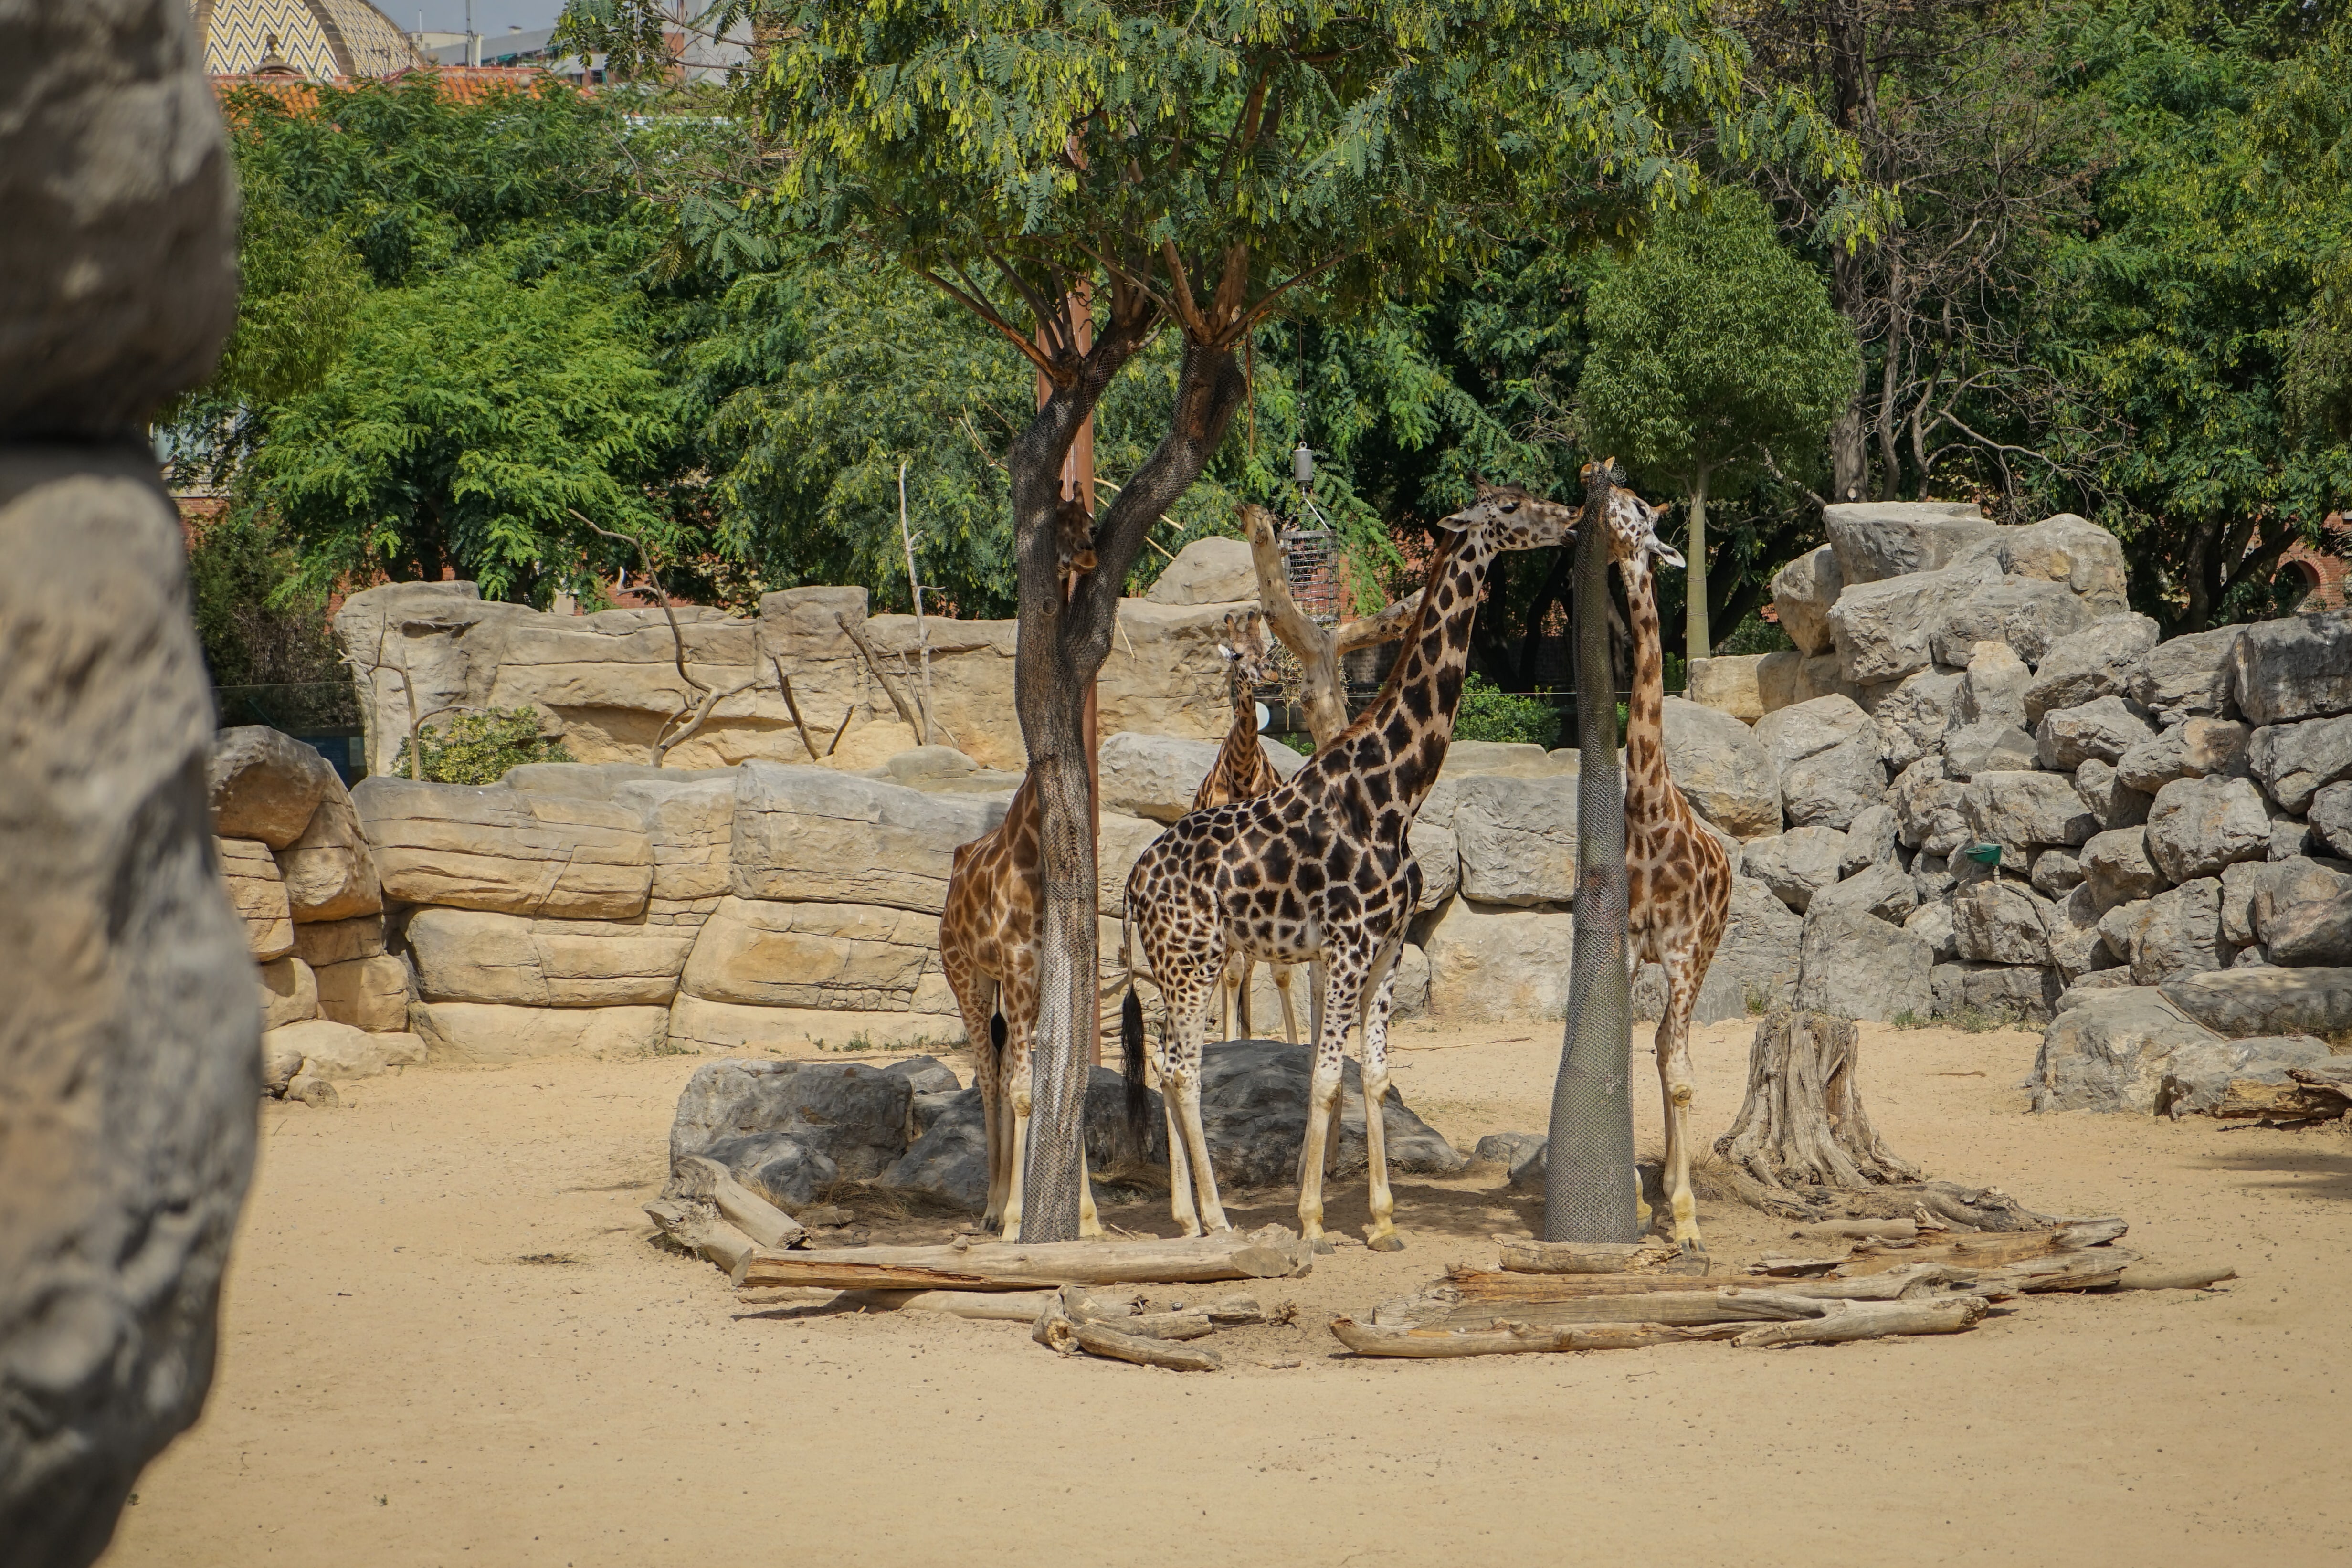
x=1403, y=736
x=1646, y=785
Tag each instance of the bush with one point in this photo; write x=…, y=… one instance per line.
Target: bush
x=258, y=628
x=1489, y=712
x=1754, y=634
x=479, y=747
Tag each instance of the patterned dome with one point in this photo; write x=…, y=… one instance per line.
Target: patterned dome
x=316, y=38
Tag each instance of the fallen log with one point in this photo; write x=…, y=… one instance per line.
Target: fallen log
x=2084, y=1270
x=1862, y=1230
x=1521, y=1256
x=1168, y=1326
x=1101, y=1339
x=696, y=1176
x=2305, y=1100
x=1272, y=1252
x=1910, y=1279
x=697, y=1225
x=984, y=1306
x=1674, y=1309
x=1870, y=1320
x=1984, y=1252
x=1520, y=1338
x=2173, y=1275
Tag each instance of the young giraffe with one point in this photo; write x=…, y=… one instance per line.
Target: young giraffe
x=1319, y=870
x=1241, y=772
x=987, y=951
x=1678, y=880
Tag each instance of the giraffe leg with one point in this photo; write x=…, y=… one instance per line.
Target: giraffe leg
x=1183, y=1092
x=1381, y=1236
x=976, y=996
x=1675, y=1081
x=1090, y=1222
x=1019, y=999
x=1283, y=976
x=1238, y=970
x=1344, y=984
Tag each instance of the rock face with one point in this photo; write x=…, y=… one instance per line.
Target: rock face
x=473, y=956
x=290, y=993
x=329, y=870
x=948, y=1161
x=2188, y=676
x=2023, y=811
x=1491, y=964
x=1853, y=965
x=2331, y=819
x=1207, y=572
x=2104, y=659
x=365, y=993
x=1253, y=1111
x=1726, y=774
x=2296, y=668
x=340, y=1052
x=2069, y=549
x=1754, y=966
x=2001, y=923
x=2243, y=1003
x=1826, y=752
x=1885, y=890
x=506, y=851
x=1797, y=864
x=2102, y=729
x=2116, y=868
x=1912, y=718
x=1516, y=838
x=481, y=1033
x=790, y=1129
x=2109, y=1052
x=2198, y=1076
x=257, y=890
x=2296, y=761
x=1885, y=629
x=2176, y=931
x=2200, y=825
x=132, y=1023
x=2026, y=614
x=802, y=833
x=1156, y=776
x=1876, y=539
x=1802, y=592
x=264, y=785
x=850, y=957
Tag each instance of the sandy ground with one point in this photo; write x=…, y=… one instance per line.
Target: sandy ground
x=449, y=1339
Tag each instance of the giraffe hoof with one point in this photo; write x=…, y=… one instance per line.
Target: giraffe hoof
x=1692, y=1263
x=1323, y=1245
x=1388, y=1241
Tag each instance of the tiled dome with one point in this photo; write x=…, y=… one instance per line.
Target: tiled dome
x=315, y=37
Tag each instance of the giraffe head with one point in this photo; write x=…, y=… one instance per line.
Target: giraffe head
x=1506, y=518
x=1629, y=524
x=1246, y=649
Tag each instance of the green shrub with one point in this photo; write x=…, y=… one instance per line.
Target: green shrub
x=1754, y=634
x=1489, y=712
x=479, y=747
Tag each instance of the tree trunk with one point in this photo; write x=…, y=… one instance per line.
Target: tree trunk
x=1696, y=643
x=1318, y=648
x=1803, y=1124
x=1589, y=1188
x=1062, y=645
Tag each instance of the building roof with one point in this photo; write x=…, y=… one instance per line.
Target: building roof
x=317, y=39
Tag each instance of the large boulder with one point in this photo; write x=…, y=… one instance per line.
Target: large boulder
x=2197, y=826
x=689, y=830
x=330, y=872
x=1870, y=840
x=483, y=1033
x=854, y=957
x=2024, y=811
x=1726, y=773
x=1853, y=965
x=2101, y=729
x=1488, y=964
x=1885, y=629
x=2117, y=867
x=2296, y=668
x=1439, y=856
x=1876, y=539
x=2197, y=1077
x=1932, y=924
x=1927, y=802
x=265, y=784
x=1207, y=572
x=2115, y=803
x=1914, y=715
x=1517, y=839
x=289, y=992
x=2109, y=1049
x=2194, y=748
x=806, y=834
x=257, y=889
x=476, y=956
x=2077, y=948
x=2177, y=932
x=503, y=850
x=1118, y=843
x=369, y=994
x=341, y=1051
x=2020, y=993
x=2056, y=872
x=1826, y=754
x=1254, y=1100
x=339, y=941
x=1885, y=890
x=2269, y=1000
x=2189, y=675
x=2104, y=659
x=1156, y=776
x=2296, y=761
x=1994, y=689
x=948, y=1161
x=788, y=1129
x=2302, y=913
x=2331, y=819
x=1755, y=965
x=2066, y=549
x=2026, y=613
x=1994, y=745
x=1996, y=922
x=1797, y=864
x=1730, y=685
x=1802, y=592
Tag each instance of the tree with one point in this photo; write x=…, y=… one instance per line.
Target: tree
x=1197, y=171
x=1713, y=346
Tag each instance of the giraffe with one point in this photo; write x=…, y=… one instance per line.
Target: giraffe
x=1318, y=869
x=1241, y=772
x=988, y=952
x=1678, y=879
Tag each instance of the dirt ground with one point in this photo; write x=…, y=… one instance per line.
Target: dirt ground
x=448, y=1339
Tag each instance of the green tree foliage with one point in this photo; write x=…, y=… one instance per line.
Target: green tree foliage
x=1713, y=348
x=252, y=633
x=1489, y=712
x=479, y=747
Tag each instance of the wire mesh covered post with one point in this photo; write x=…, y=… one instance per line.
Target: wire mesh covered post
x=1588, y=1189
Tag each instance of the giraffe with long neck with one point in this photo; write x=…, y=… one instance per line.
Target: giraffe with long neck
x=1241, y=772
x=1319, y=870
x=1678, y=878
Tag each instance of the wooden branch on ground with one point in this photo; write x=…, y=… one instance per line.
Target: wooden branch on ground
x=1519, y=1339
x=1073, y=1320
x=1522, y=1256
x=2085, y=1271
x=1989, y=1250
x=2174, y=1276
x=1911, y=1279
x=1849, y=1321
x=1099, y=1339
x=890, y=688
x=1270, y=1253
x=1676, y=1309
x=695, y=1176
x=697, y=1225
x=986, y=1306
x=2306, y=1099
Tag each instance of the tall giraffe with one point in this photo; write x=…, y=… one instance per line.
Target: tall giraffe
x=987, y=951
x=1241, y=772
x=1678, y=880
x=1319, y=870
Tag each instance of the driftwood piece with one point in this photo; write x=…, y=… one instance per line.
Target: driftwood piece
x=2305, y=1100
x=1803, y=1122
x=1848, y=1320
x=985, y=1306
x=1522, y=1256
x=1101, y=1339
x=1232, y=1311
x=1168, y=1326
x=695, y=1175
x=2084, y=1270
x=908, y=715
x=1862, y=1230
x=1910, y=1279
x=1676, y=1309
x=695, y=1224
x=2174, y=1276
x=1270, y=1253
x=1989, y=1251
x=1518, y=1338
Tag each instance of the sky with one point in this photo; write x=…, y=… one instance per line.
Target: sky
x=491, y=16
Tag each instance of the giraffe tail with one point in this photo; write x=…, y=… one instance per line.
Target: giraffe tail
x=1130, y=1053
